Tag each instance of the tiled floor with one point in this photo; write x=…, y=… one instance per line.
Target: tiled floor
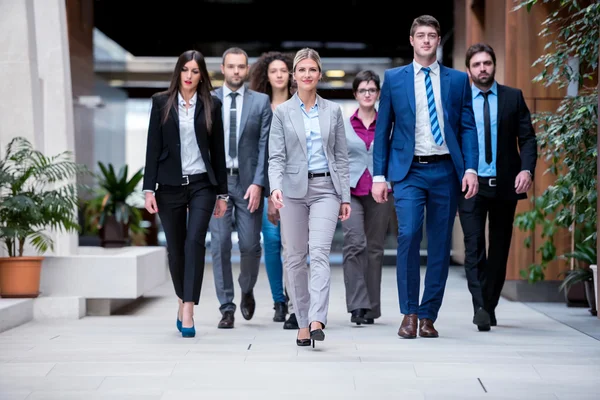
x=140, y=355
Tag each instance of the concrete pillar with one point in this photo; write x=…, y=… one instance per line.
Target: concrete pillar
x=35, y=89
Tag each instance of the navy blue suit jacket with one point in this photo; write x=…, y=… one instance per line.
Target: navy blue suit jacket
x=395, y=129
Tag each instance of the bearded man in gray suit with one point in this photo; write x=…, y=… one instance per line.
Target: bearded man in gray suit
x=246, y=121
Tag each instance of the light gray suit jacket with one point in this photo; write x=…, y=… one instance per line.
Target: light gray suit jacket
x=288, y=160
x=254, y=133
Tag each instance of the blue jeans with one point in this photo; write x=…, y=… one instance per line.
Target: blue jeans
x=272, y=252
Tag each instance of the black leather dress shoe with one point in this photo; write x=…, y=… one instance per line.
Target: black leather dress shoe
x=493, y=321
x=369, y=321
x=482, y=320
x=227, y=320
x=291, y=323
x=247, y=305
x=358, y=316
x=280, y=312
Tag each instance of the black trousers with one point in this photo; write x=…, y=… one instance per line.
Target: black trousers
x=486, y=270
x=185, y=212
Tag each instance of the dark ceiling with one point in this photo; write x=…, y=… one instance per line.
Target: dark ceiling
x=351, y=28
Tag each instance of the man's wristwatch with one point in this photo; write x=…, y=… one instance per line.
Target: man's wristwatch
x=223, y=197
x=529, y=172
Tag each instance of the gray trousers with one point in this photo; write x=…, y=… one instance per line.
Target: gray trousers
x=248, y=226
x=286, y=283
x=308, y=225
x=364, y=237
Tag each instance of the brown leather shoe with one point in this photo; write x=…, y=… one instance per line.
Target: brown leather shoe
x=227, y=321
x=408, y=328
x=426, y=328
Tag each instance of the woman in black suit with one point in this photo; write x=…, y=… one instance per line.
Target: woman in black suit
x=185, y=178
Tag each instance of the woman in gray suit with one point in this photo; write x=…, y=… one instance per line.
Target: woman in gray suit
x=310, y=185
x=364, y=232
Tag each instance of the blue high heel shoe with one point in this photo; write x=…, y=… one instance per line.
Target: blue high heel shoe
x=179, y=324
x=188, y=332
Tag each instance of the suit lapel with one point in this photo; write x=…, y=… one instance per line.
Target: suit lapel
x=409, y=84
x=501, y=104
x=324, y=122
x=173, y=112
x=445, y=81
x=298, y=124
x=199, y=107
x=246, y=107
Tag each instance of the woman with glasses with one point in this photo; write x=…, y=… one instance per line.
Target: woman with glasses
x=365, y=230
x=308, y=174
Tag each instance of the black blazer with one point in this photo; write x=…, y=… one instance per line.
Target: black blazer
x=517, y=146
x=163, y=154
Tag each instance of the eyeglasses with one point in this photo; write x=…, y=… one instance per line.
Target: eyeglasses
x=364, y=91
x=431, y=36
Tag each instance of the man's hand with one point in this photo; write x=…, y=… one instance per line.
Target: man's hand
x=150, y=203
x=272, y=212
x=523, y=182
x=253, y=194
x=344, y=211
x=277, y=198
x=220, y=208
x=470, y=182
x=379, y=191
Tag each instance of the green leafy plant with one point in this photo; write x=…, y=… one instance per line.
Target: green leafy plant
x=37, y=194
x=116, y=197
x=567, y=138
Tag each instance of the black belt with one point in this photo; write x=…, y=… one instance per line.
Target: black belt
x=318, y=174
x=488, y=180
x=233, y=171
x=430, y=159
x=187, y=179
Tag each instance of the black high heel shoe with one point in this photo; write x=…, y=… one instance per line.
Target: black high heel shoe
x=317, y=334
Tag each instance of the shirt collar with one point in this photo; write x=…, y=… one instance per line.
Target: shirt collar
x=226, y=91
x=316, y=106
x=476, y=91
x=435, y=67
x=355, y=116
x=182, y=101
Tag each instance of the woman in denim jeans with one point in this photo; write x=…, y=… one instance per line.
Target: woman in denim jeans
x=270, y=74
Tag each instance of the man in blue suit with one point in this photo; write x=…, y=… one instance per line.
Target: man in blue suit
x=426, y=145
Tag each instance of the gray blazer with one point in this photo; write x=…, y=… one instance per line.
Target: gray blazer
x=254, y=133
x=359, y=157
x=288, y=161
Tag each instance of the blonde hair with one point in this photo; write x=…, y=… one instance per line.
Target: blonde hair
x=307, y=53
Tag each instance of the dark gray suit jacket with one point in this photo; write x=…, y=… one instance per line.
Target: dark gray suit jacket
x=254, y=132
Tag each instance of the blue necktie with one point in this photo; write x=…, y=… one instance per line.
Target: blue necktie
x=435, y=125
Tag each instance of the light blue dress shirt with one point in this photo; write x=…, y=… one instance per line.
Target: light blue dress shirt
x=317, y=160
x=485, y=169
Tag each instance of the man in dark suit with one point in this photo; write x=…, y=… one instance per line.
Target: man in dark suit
x=426, y=145
x=246, y=121
x=507, y=159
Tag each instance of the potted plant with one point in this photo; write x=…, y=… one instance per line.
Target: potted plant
x=584, y=256
x=37, y=194
x=118, y=214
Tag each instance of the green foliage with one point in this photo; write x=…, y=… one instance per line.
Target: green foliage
x=115, y=197
x=567, y=138
x=37, y=193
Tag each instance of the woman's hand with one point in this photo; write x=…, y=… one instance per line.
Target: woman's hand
x=220, y=208
x=344, y=211
x=150, y=203
x=277, y=198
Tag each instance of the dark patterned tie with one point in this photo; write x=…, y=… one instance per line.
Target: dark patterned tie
x=487, y=128
x=233, y=126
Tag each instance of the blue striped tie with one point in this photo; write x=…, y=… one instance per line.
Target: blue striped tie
x=435, y=125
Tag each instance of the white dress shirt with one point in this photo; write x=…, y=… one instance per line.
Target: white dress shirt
x=424, y=142
x=191, y=159
x=239, y=101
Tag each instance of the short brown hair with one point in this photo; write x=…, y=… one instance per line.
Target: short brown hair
x=479, y=48
x=425, y=20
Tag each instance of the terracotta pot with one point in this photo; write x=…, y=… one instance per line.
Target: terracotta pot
x=20, y=276
x=113, y=233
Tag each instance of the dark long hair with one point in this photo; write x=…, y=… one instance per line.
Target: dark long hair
x=204, y=86
x=259, y=72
